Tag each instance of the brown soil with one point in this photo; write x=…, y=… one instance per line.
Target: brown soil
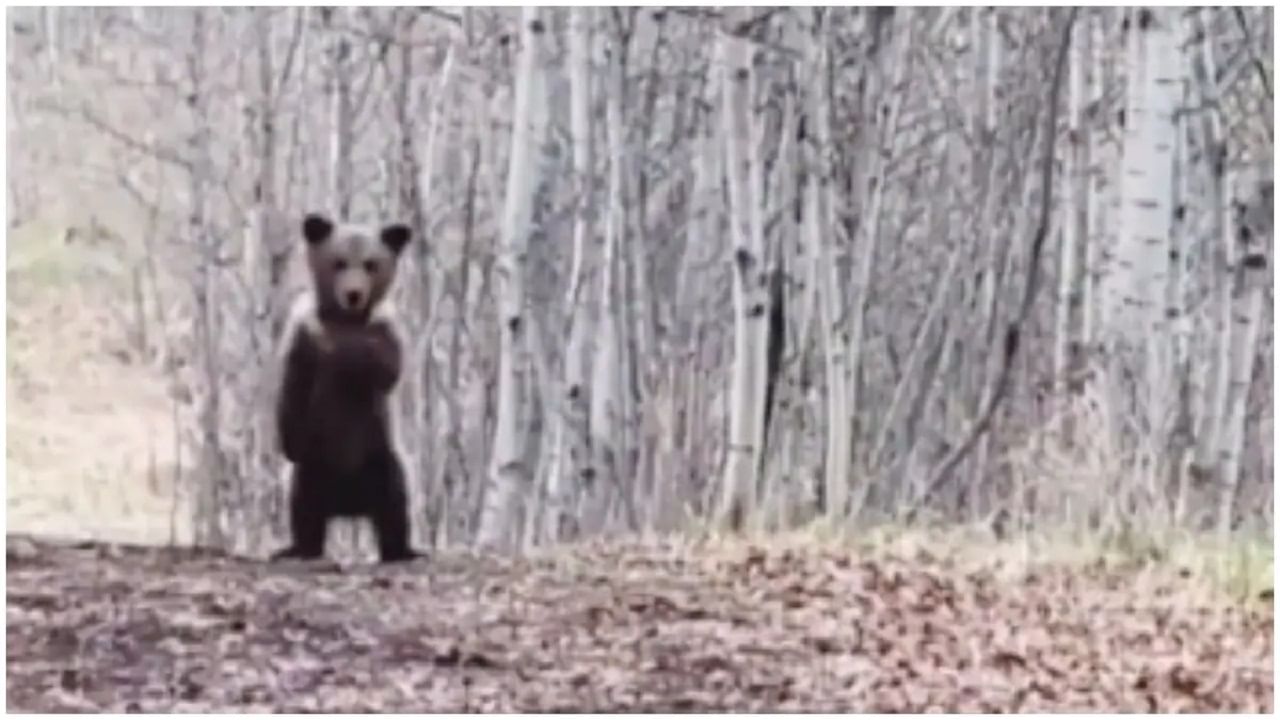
x=615, y=628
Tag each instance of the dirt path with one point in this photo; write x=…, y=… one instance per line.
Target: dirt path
x=614, y=629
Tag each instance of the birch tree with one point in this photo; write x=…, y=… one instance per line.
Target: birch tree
x=570, y=431
x=819, y=217
x=211, y=499
x=1074, y=160
x=737, y=500
x=341, y=164
x=509, y=478
x=1138, y=315
x=266, y=253
x=1252, y=209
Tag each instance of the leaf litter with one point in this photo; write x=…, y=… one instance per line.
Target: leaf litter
x=625, y=627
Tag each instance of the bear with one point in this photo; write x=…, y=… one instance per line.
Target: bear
x=340, y=361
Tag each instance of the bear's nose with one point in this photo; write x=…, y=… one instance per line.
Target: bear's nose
x=353, y=297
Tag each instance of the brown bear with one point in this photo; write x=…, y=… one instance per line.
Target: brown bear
x=341, y=358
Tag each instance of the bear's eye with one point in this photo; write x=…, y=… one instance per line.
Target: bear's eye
x=340, y=265
x=371, y=266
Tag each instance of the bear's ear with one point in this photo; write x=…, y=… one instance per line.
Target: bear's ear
x=396, y=237
x=316, y=228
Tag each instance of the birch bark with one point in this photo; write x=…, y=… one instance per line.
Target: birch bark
x=341, y=168
x=509, y=477
x=737, y=500
x=1070, y=227
x=570, y=430
x=819, y=230
x=1252, y=211
x=1140, y=338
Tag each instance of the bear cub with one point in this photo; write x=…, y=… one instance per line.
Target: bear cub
x=341, y=360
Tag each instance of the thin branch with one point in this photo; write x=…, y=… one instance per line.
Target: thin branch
x=289, y=58
x=435, y=12
x=1258, y=66
x=159, y=153
x=944, y=470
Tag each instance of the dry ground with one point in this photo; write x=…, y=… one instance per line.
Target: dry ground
x=619, y=628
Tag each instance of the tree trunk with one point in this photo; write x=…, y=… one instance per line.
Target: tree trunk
x=341, y=137
x=509, y=477
x=1252, y=224
x=210, y=529
x=737, y=499
x=820, y=231
x=1138, y=316
x=572, y=443
x=1069, y=291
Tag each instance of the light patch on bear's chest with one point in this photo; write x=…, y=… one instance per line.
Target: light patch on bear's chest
x=304, y=316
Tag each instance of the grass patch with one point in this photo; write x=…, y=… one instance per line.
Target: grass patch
x=1238, y=569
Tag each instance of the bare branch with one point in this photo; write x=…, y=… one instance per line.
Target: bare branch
x=943, y=471
x=85, y=114
x=1259, y=67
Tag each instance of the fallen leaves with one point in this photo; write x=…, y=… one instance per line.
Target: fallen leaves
x=614, y=628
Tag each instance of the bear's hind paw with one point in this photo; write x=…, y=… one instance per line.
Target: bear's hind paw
x=398, y=556
x=293, y=552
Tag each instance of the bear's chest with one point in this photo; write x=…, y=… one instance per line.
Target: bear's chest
x=347, y=426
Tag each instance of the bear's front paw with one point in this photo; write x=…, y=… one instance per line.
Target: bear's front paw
x=353, y=352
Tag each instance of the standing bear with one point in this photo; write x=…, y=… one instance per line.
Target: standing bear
x=341, y=355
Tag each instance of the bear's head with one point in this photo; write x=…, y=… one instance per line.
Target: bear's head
x=352, y=266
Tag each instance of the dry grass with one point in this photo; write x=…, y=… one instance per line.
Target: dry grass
x=1208, y=569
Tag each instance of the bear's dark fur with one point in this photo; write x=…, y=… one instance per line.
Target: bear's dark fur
x=341, y=362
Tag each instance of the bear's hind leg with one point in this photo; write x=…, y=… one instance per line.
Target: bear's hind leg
x=390, y=515
x=308, y=524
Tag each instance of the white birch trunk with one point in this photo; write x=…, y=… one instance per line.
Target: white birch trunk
x=442, y=105
x=1095, y=207
x=569, y=426
x=509, y=477
x=53, y=44
x=989, y=71
x=1068, y=288
x=738, y=487
x=1212, y=419
x=820, y=233
x=341, y=166
x=607, y=403
x=1138, y=286
x=1251, y=278
x=703, y=250
x=210, y=529
x=266, y=251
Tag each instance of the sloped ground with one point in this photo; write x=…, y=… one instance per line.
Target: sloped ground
x=92, y=438
x=618, y=628
x=91, y=433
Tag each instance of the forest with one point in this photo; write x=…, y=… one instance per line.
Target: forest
x=773, y=358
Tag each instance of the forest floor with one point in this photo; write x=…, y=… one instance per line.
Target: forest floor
x=622, y=627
